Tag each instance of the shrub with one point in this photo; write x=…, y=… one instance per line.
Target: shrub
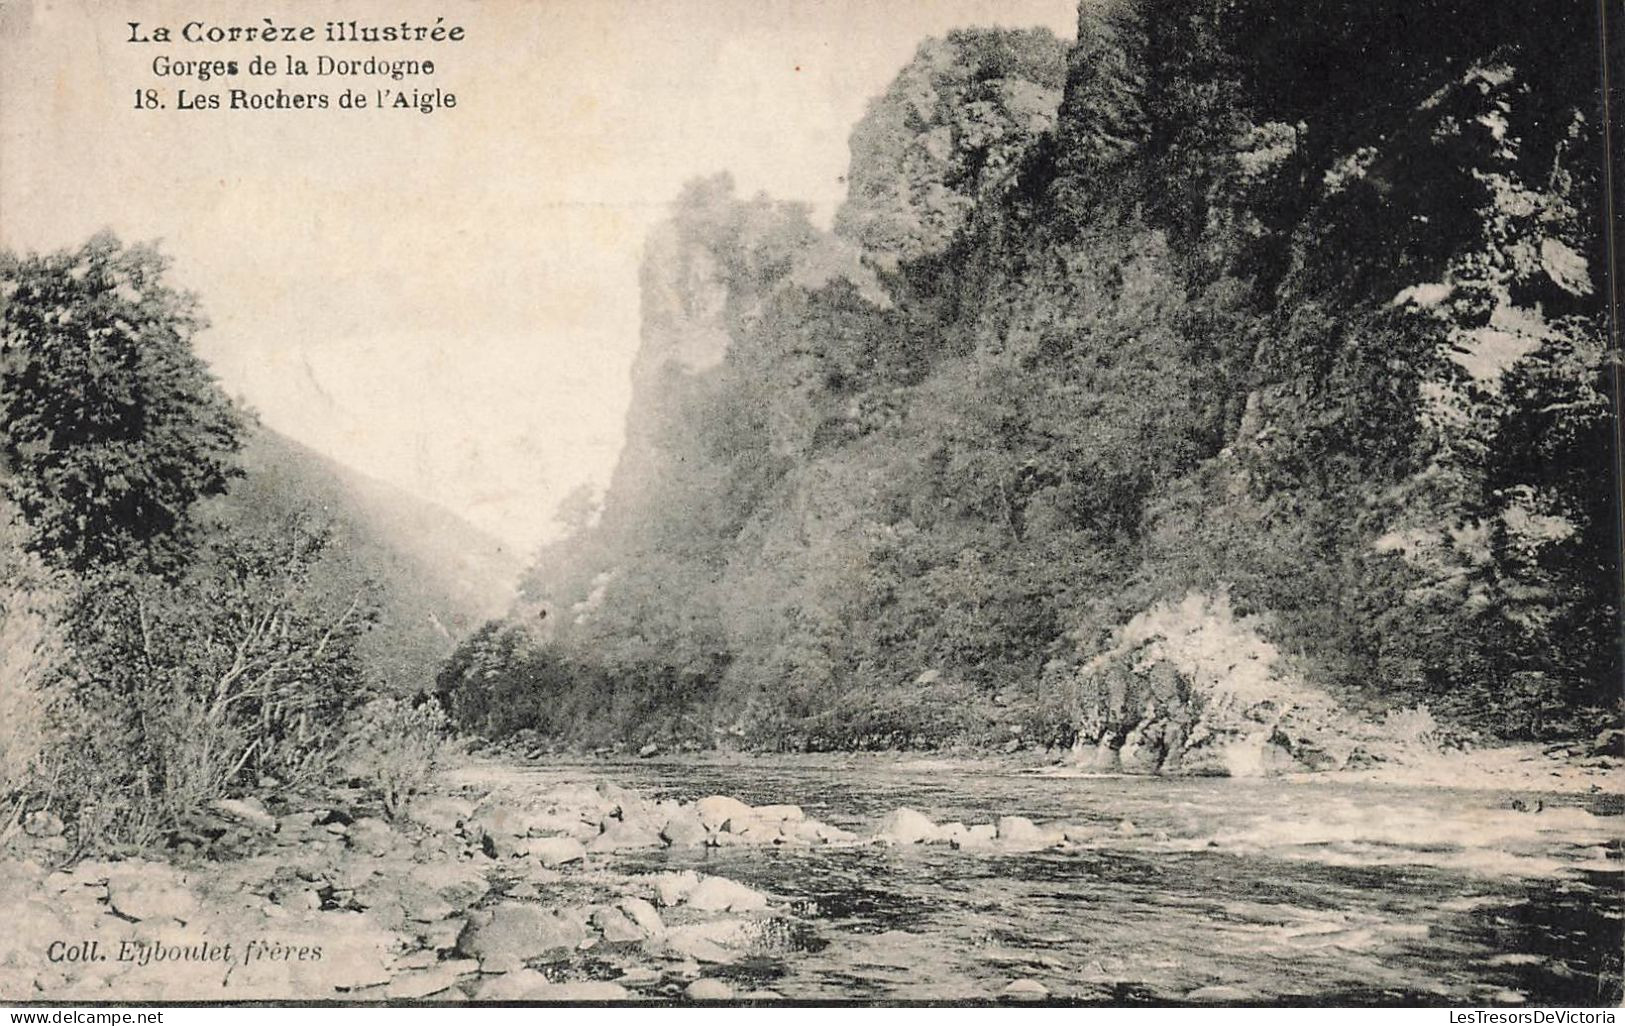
x=177, y=692
x=395, y=747
x=28, y=651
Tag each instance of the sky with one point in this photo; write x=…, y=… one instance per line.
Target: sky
x=447, y=302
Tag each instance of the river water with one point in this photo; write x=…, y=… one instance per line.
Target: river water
x=1237, y=891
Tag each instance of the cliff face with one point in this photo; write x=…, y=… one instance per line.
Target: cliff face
x=1200, y=395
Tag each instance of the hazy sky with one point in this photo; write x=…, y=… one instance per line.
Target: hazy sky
x=449, y=301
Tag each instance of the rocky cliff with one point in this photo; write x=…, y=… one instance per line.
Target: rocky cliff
x=1229, y=385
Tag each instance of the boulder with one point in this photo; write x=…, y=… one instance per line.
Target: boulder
x=298, y=899
x=807, y=831
x=439, y=813
x=587, y=990
x=906, y=826
x=441, y=936
x=980, y=836
x=149, y=890
x=755, y=831
x=530, y=985
x=707, y=989
x=295, y=823
x=644, y=915
x=780, y=813
x=459, y=884
x=1609, y=742
x=1142, y=749
x=504, y=846
x=1025, y=990
x=623, y=835
x=719, y=809
x=1021, y=832
x=1100, y=757
x=835, y=835
x=413, y=985
x=373, y=836
x=616, y=927
x=719, y=894
x=509, y=935
x=671, y=888
x=683, y=830
x=556, y=851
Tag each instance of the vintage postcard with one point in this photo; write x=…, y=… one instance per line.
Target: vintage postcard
x=787, y=502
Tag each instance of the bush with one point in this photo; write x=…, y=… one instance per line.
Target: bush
x=28, y=651
x=395, y=747
x=175, y=693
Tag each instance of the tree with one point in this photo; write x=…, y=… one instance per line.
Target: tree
x=110, y=426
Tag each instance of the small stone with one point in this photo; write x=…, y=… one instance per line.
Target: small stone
x=250, y=811
x=649, y=751
x=42, y=823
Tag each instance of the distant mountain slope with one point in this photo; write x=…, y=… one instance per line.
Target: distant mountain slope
x=438, y=576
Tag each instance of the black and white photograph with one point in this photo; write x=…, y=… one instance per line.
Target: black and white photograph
x=784, y=503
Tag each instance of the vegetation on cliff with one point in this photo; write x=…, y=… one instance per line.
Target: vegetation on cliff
x=1233, y=330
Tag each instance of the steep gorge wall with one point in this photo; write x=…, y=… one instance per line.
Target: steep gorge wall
x=1292, y=314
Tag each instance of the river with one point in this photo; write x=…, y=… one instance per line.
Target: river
x=1295, y=890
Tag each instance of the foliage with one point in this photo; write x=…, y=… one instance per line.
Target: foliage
x=111, y=424
x=395, y=746
x=184, y=690
x=1297, y=307
x=155, y=656
x=29, y=647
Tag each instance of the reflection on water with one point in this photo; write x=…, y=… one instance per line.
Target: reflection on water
x=1191, y=890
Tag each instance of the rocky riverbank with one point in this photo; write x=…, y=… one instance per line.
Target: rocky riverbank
x=480, y=892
